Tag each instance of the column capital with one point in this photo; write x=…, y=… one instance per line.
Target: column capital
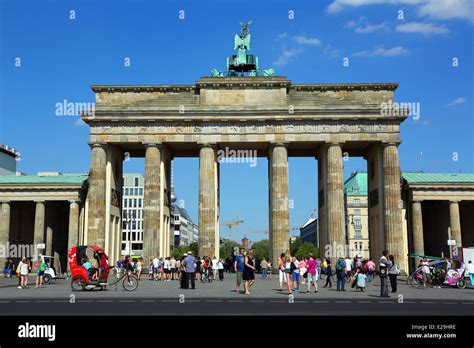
x=279, y=143
x=97, y=144
x=5, y=201
x=454, y=201
x=391, y=143
x=74, y=201
x=39, y=201
x=207, y=144
x=154, y=144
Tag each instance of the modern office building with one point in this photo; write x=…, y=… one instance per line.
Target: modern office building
x=132, y=214
x=8, y=159
x=185, y=230
x=309, y=232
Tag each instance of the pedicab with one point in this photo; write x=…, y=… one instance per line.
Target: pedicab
x=453, y=275
x=94, y=277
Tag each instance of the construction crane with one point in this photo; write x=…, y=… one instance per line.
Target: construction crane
x=236, y=222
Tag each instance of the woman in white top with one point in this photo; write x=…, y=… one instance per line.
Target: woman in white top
x=24, y=273
x=139, y=268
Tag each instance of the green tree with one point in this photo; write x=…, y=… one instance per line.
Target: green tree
x=227, y=249
x=261, y=249
x=306, y=248
x=194, y=248
x=294, y=246
x=178, y=251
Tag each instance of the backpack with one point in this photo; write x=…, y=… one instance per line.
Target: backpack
x=383, y=272
x=340, y=264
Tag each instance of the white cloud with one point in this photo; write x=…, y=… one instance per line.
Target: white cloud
x=339, y=5
x=303, y=40
x=383, y=52
x=422, y=28
x=438, y=9
x=457, y=101
x=287, y=55
x=448, y=9
x=282, y=36
x=370, y=28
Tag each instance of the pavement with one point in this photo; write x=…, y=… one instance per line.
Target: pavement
x=220, y=298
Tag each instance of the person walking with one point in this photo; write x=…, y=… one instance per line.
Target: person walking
x=239, y=266
x=220, y=269
x=312, y=274
x=215, y=268
x=269, y=270
x=370, y=269
x=341, y=274
x=296, y=274
x=426, y=273
x=249, y=272
x=174, y=273
x=156, y=264
x=393, y=272
x=139, y=268
x=348, y=268
x=23, y=270
x=328, y=271
x=264, y=266
x=281, y=270
x=188, y=262
x=289, y=268
x=384, y=266
x=303, y=270
x=40, y=266
x=318, y=266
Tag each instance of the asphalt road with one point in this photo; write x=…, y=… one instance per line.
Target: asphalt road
x=219, y=298
x=233, y=306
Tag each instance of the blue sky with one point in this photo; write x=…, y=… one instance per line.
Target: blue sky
x=61, y=57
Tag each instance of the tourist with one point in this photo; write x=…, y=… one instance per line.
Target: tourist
x=119, y=268
x=269, y=270
x=239, y=266
x=425, y=266
x=318, y=266
x=188, y=262
x=302, y=266
x=174, y=274
x=150, y=270
x=156, y=264
x=296, y=274
x=341, y=274
x=220, y=269
x=393, y=273
x=328, y=271
x=41, y=266
x=384, y=266
x=370, y=269
x=281, y=270
x=139, y=268
x=470, y=271
x=183, y=279
x=360, y=278
x=161, y=274
x=263, y=266
x=348, y=267
x=324, y=265
x=198, y=268
x=249, y=272
x=312, y=274
x=166, y=269
x=23, y=271
x=289, y=267
x=215, y=267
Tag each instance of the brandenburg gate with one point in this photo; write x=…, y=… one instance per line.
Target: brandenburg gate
x=266, y=113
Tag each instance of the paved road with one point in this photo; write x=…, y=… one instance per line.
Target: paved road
x=157, y=298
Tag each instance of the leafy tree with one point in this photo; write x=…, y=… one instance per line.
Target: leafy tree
x=194, y=248
x=178, y=251
x=294, y=246
x=227, y=249
x=261, y=249
x=306, y=248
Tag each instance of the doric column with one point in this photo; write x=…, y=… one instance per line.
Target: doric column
x=335, y=200
x=455, y=222
x=417, y=226
x=38, y=237
x=4, y=223
x=278, y=203
x=151, y=202
x=393, y=205
x=73, y=230
x=207, y=199
x=96, y=195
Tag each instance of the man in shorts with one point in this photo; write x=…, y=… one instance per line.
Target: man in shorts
x=239, y=269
